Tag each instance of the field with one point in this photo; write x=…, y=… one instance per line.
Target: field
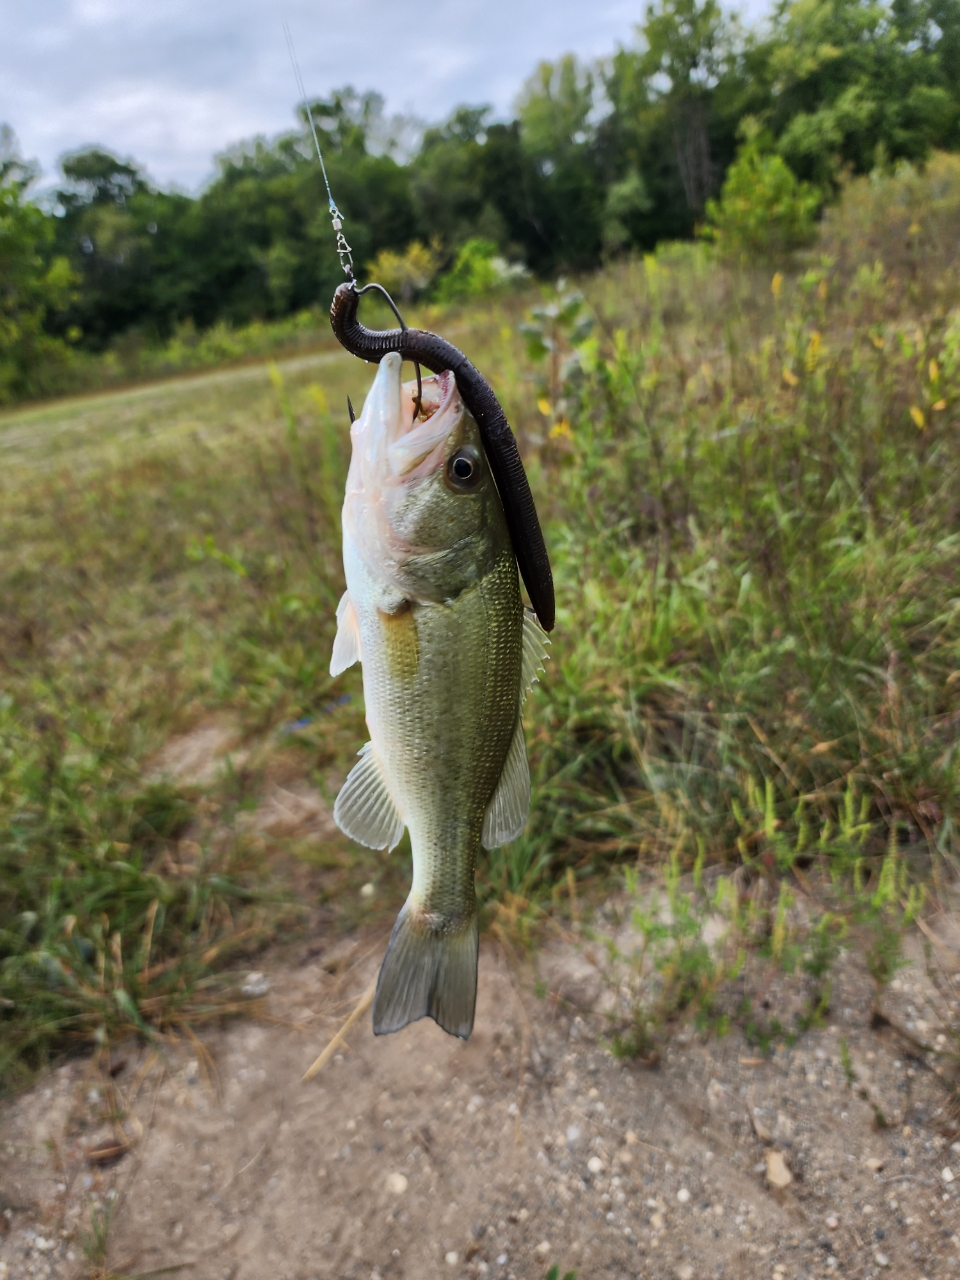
x=748, y=477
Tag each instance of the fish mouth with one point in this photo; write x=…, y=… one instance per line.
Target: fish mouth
x=402, y=444
x=422, y=447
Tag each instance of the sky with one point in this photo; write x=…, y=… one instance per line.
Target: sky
x=172, y=82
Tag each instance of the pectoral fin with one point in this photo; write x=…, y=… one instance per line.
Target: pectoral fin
x=534, y=653
x=506, y=813
x=346, y=644
x=365, y=810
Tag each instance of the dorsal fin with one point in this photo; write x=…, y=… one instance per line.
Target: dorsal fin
x=534, y=652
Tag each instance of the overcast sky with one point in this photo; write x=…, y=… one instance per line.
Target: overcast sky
x=170, y=82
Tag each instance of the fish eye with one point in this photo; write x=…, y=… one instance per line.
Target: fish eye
x=463, y=469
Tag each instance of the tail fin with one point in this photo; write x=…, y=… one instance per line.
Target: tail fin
x=427, y=972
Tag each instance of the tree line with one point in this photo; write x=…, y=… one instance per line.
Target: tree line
x=598, y=159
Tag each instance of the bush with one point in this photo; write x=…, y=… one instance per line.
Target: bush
x=901, y=224
x=32, y=283
x=763, y=210
x=407, y=274
x=477, y=269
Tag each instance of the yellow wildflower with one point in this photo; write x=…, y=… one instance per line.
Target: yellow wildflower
x=813, y=351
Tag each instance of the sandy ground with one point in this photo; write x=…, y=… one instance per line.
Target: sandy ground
x=421, y=1157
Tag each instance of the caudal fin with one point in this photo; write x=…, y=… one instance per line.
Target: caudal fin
x=427, y=972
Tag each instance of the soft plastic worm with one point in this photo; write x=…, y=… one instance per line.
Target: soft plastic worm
x=499, y=441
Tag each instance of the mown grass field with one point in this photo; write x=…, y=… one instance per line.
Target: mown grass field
x=749, y=477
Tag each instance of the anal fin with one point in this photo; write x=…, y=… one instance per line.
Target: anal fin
x=429, y=971
x=365, y=809
x=346, y=644
x=507, y=812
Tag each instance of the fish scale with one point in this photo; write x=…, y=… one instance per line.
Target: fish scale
x=433, y=612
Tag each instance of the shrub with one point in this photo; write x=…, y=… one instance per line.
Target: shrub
x=764, y=209
x=477, y=269
x=406, y=274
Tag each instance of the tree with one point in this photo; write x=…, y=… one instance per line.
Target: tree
x=764, y=209
x=861, y=81
x=677, y=98
x=33, y=281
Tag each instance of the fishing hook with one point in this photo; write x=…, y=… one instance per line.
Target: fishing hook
x=403, y=329
x=499, y=442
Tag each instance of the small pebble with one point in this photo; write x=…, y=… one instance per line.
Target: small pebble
x=501, y=1259
x=543, y=1248
x=367, y=892
x=882, y=1260
x=832, y=1223
x=255, y=984
x=873, y=1164
x=685, y=1272
x=452, y=1258
x=947, y=1174
x=777, y=1172
x=683, y=1195
x=396, y=1183
x=595, y=1165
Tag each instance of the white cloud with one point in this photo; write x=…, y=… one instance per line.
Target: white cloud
x=171, y=82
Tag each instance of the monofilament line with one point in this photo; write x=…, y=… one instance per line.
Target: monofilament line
x=343, y=249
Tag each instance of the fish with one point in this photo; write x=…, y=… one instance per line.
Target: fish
x=433, y=613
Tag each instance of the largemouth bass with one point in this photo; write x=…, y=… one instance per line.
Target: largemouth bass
x=433, y=612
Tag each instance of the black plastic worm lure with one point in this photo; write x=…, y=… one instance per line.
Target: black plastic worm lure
x=439, y=356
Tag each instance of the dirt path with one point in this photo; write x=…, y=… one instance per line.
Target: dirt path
x=420, y=1157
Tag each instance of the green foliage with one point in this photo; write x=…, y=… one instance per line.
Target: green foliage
x=94, y=936
x=751, y=534
x=600, y=159
x=860, y=82
x=121, y=895
x=405, y=275
x=554, y=1273
x=476, y=270
x=763, y=210
x=33, y=282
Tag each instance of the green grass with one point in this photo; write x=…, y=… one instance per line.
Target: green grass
x=749, y=486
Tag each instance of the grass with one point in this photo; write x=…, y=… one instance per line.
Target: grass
x=749, y=485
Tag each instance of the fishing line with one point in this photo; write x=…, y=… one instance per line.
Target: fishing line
x=336, y=217
x=344, y=251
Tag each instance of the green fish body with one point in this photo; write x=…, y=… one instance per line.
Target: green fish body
x=433, y=612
